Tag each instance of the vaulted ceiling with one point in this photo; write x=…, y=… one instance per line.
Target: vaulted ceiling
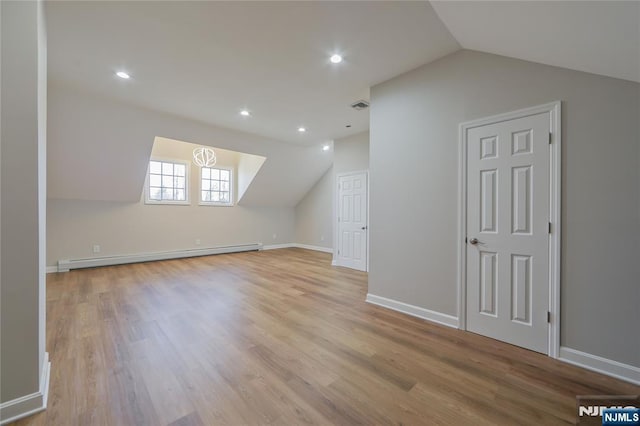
x=195, y=65
x=600, y=37
x=207, y=60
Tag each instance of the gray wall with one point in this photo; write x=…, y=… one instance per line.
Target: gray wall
x=351, y=154
x=414, y=169
x=121, y=228
x=22, y=198
x=313, y=214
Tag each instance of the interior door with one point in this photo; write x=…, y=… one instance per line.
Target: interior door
x=508, y=231
x=352, y=221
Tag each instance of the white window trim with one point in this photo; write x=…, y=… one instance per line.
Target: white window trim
x=187, y=189
x=232, y=191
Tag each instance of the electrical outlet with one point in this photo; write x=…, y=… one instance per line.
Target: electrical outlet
x=198, y=241
x=96, y=248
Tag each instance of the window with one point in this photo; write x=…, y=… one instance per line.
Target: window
x=215, y=186
x=167, y=183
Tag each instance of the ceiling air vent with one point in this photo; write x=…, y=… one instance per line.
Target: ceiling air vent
x=360, y=105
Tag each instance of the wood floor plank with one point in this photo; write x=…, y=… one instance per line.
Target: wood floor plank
x=279, y=337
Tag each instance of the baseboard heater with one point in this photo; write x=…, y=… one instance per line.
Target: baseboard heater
x=66, y=265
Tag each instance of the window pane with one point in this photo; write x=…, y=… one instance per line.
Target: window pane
x=155, y=167
x=179, y=169
x=224, y=196
x=155, y=180
x=179, y=182
x=180, y=196
x=206, y=196
x=215, y=196
x=167, y=168
x=206, y=173
x=215, y=173
x=224, y=174
x=167, y=181
x=224, y=186
x=215, y=185
x=167, y=194
x=206, y=184
x=155, y=193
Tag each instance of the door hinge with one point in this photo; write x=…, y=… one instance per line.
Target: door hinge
x=550, y=137
x=549, y=227
x=549, y=317
x=338, y=251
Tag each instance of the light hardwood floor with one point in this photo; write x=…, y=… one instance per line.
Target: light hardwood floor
x=279, y=337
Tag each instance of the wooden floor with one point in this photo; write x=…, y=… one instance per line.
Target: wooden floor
x=279, y=337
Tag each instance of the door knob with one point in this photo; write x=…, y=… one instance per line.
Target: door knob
x=474, y=241
x=364, y=227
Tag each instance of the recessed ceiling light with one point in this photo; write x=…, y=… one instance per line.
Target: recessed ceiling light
x=326, y=147
x=123, y=74
x=335, y=59
x=302, y=129
x=245, y=113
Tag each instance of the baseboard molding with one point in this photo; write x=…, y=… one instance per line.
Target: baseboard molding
x=415, y=311
x=27, y=405
x=316, y=248
x=334, y=262
x=616, y=369
x=297, y=245
x=51, y=269
x=66, y=265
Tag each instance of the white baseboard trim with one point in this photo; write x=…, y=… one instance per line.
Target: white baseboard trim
x=316, y=248
x=51, y=269
x=616, y=369
x=415, y=311
x=334, y=262
x=27, y=405
x=66, y=265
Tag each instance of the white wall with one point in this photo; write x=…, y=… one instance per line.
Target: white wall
x=414, y=169
x=23, y=197
x=75, y=226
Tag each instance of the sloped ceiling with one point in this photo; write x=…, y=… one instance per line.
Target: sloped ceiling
x=206, y=60
x=600, y=37
x=99, y=148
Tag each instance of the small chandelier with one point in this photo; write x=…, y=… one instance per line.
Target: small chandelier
x=204, y=157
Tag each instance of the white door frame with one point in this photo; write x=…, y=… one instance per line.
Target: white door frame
x=555, y=151
x=336, y=212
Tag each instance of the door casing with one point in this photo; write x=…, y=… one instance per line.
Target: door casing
x=555, y=147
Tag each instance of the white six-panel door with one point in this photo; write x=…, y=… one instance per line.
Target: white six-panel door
x=352, y=221
x=507, y=252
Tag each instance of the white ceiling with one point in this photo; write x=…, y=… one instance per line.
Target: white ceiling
x=208, y=60
x=601, y=37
